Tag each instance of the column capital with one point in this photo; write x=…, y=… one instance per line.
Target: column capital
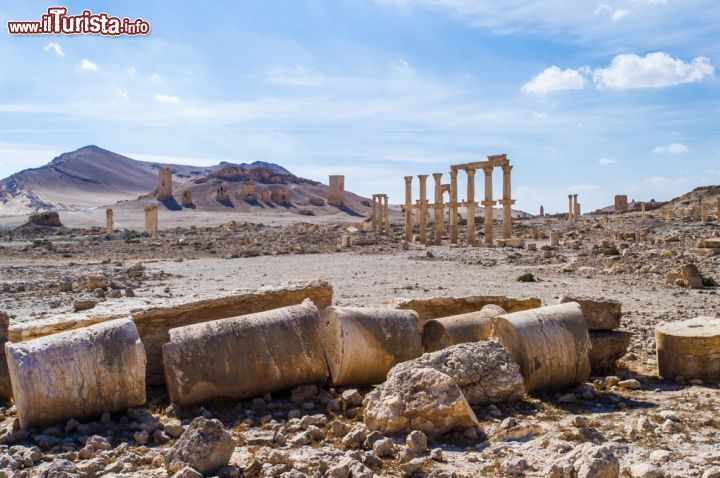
x=488, y=170
x=470, y=172
x=453, y=173
x=506, y=201
x=422, y=177
x=506, y=168
x=437, y=176
x=488, y=203
x=408, y=179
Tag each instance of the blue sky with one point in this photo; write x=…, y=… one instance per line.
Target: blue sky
x=593, y=97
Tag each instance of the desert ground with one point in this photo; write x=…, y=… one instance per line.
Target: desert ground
x=629, y=418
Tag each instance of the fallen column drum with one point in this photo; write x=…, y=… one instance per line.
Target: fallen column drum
x=77, y=374
x=441, y=333
x=690, y=349
x=245, y=356
x=551, y=345
x=363, y=344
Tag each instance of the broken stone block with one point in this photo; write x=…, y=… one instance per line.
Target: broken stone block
x=418, y=399
x=246, y=356
x=608, y=346
x=77, y=374
x=457, y=329
x=484, y=371
x=692, y=277
x=551, y=345
x=600, y=314
x=363, y=344
x=434, y=307
x=690, y=349
x=205, y=446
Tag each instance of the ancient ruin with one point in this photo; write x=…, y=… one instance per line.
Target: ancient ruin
x=380, y=213
x=222, y=194
x=422, y=206
x=108, y=221
x=151, y=219
x=164, y=188
x=336, y=196
x=621, y=203
x=187, y=199
x=280, y=196
x=247, y=191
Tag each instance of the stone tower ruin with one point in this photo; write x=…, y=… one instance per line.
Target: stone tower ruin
x=337, y=191
x=164, y=189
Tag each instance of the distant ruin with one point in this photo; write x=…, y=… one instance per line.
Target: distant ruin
x=108, y=221
x=280, y=196
x=151, y=219
x=336, y=196
x=221, y=194
x=187, y=199
x=621, y=203
x=164, y=189
x=247, y=191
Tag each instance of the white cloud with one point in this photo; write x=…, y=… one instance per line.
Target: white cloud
x=656, y=180
x=603, y=8
x=583, y=188
x=554, y=79
x=619, y=15
x=605, y=161
x=673, y=148
x=654, y=70
x=56, y=48
x=86, y=64
x=131, y=71
x=162, y=98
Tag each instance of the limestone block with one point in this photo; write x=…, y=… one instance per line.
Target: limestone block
x=363, y=344
x=692, y=277
x=600, y=313
x=484, y=371
x=608, y=346
x=418, y=399
x=440, y=333
x=555, y=238
x=155, y=320
x=205, y=446
x=551, y=345
x=434, y=307
x=78, y=374
x=709, y=242
x=246, y=356
x=5, y=387
x=690, y=349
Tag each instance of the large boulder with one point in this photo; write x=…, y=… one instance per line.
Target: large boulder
x=484, y=371
x=205, y=446
x=418, y=399
x=600, y=314
x=692, y=277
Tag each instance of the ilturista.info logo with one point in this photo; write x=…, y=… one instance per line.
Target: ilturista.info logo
x=57, y=22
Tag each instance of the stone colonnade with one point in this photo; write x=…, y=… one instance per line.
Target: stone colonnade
x=422, y=205
x=380, y=213
x=573, y=207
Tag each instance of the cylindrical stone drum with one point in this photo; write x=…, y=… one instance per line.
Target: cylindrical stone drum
x=551, y=345
x=245, y=356
x=363, y=344
x=690, y=349
x=440, y=333
x=77, y=374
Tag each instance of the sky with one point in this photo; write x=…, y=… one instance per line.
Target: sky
x=590, y=97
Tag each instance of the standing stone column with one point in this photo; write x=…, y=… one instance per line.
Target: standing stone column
x=576, y=209
x=408, y=209
x=439, y=209
x=570, y=207
x=717, y=213
x=422, y=221
x=703, y=212
x=108, y=221
x=507, y=203
x=151, y=219
x=488, y=203
x=454, y=207
x=374, y=213
x=470, y=205
x=642, y=209
x=386, y=211
x=542, y=211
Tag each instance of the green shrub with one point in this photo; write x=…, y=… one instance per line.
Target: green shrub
x=611, y=251
x=527, y=277
x=709, y=281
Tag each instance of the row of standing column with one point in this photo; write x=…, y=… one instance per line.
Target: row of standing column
x=573, y=207
x=380, y=213
x=439, y=207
